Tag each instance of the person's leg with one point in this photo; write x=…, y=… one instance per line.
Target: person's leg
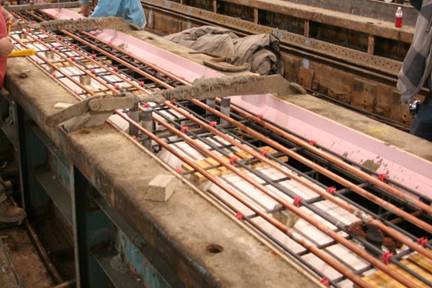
x=133, y=12
x=85, y=7
x=8, y=212
x=422, y=124
x=106, y=8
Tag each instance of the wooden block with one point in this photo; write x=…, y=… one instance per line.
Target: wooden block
x=161, y=188
x=286, y=217
x=210, y=162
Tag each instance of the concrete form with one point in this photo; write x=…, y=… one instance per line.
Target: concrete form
x=184, y=228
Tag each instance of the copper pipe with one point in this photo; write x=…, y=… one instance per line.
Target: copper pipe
x=331, y=158
x=418, y=222
x=323, y=193
x=108, y=86
x=288, y=231
x=48, y=62
x=146, y=63
x=115, y=58
x=258, y=211
x=291, y=207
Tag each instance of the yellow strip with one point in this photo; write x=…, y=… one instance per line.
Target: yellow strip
x=22, y=53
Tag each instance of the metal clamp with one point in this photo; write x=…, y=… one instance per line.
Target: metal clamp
x=91, y=112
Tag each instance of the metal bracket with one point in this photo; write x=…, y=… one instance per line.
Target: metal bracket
x=91, y=112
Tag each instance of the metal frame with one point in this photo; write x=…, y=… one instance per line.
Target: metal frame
x=96, y=226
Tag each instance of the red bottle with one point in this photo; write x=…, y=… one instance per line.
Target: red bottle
x=399, y=18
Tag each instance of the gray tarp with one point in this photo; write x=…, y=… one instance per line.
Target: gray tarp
x=261, y=52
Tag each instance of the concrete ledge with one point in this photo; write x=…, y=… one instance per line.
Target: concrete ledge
x=181, y=229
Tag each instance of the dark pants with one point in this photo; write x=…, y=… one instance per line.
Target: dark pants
x=422, y=125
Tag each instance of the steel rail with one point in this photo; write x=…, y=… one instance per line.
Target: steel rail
x=286, y=230
x=346, y=183
x=291, y=207
x=322, y=192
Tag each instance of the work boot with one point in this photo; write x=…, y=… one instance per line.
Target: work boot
x=8, y=212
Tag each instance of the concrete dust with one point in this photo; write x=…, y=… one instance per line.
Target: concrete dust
x=24, y=259
x=85, y=24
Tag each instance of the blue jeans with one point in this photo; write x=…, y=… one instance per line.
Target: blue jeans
x=422, y=124
x=130, y=10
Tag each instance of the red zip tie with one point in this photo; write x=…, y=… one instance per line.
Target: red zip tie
x=117, y=86
x=382, y=177
x=298, y=201
x=331, y=190
x=179, y=170
x=325, y=281
x=184, y=129
x=213, y=123
x=93, y=56
x=239, y=216
x=141, y=83
x=264, y=153
x=386, y=257
x=423, y=241
x=312, y=142
x=146, y=105
x=233, y=160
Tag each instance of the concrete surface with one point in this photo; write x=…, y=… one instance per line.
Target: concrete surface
x=357, y=121
x=180, y=229
x=24, y=260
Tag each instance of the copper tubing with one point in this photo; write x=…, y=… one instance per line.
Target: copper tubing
x=108, y=86
x=323, y=193
x=146, y=63
x=126, y=64
x=99, y=64
x=64, y=74
x=258, y=213
x=290, y=206
x=425, y=226
x=344, y=270
x=331, y=158
x=418, y=222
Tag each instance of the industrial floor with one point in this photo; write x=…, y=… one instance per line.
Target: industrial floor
x=20, y=265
